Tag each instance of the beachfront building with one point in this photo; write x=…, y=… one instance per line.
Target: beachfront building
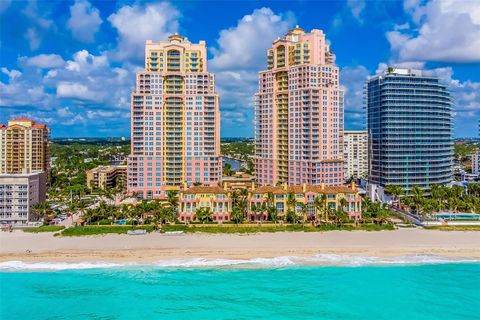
x=220, y=201
x=106, y=177
x=215, y=199
x=18, y=193
x=299, y=113
x=175, y=120
x=24, y=146
x=409, y=120
x=284, y=198
x=355, y=154
x=476, y=163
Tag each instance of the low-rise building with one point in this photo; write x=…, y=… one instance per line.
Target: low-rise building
x=106, y=177
x=217, y=199
x=18, y=193
x=331, y=196
x=220, y=201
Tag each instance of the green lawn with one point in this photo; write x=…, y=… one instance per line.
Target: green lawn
x=99, y=230
x=252, y=228
x=44, y=229
x=92, y=230
x=455, y=228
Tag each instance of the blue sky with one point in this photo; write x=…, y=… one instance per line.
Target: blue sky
x=71, y=64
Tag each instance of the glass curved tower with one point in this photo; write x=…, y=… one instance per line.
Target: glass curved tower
x=409, y=121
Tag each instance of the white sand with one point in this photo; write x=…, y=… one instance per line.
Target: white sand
x=44, y=247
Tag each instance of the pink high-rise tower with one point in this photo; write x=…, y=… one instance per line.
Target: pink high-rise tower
x=175, y=120
x=299, y=113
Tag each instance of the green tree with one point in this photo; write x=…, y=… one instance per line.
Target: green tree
x=237, y=215
x=41, y=211
x=395, y=191
x=203, y=214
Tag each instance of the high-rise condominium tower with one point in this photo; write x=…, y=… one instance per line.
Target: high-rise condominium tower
x=356, y=153
x=24, y=146
x=299, y=113
x=175, y=120
x=409, y=121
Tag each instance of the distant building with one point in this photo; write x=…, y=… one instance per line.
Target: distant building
x=106, y=177
x=409, y=121
x=175, y=123
x=24, y=146
x=476, y=163
x=299, y=113
x=18, y=193
x=118, y=159
x=355, y=154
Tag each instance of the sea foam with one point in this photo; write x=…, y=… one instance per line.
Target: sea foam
x=276, y=262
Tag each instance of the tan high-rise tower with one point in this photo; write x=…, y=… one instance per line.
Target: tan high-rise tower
x=299, y=113
x=24, y=146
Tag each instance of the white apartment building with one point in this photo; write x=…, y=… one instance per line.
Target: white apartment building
x=355, y=153
x=18, y=193
x=476, y=163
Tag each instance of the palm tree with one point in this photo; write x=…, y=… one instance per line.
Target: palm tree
x=41, y=211
x=173, y=200
x=343, y=202
x=272, y=213
x=417, y=196
x=395, y=191
x=203, y=214
x=320, y=204
x=304, y=214
x=237, y=215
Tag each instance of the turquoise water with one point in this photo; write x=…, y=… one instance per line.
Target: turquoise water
x=433, y=291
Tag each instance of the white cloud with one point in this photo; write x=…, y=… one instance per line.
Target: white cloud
x=443, y=30
x=75, y=91
x=84, y=20
x=356, y=8
x=4, y=4
x=244, y=46
x=64, y=112
x=12, y=74
x=39, y=25
x=138, y=23
x=238, y=56
x=33, y=38
x=43, y=61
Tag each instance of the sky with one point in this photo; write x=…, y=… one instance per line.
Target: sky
x=71, y=64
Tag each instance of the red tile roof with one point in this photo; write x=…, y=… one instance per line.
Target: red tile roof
x=201, y=189
x=22, y=119
x=299, y=189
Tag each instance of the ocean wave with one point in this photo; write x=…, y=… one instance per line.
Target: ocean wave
x=276, y=262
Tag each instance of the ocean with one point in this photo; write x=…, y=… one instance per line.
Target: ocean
x=280, y=288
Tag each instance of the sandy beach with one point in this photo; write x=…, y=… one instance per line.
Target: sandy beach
x=44, y=247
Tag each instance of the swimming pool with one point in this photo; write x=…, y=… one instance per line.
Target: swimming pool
x=457, y=216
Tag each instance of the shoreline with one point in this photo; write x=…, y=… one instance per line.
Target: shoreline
x=152, y=248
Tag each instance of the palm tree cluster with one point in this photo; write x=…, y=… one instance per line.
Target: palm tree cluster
x=440, y=197
x=145, y=212
x=374, y=212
